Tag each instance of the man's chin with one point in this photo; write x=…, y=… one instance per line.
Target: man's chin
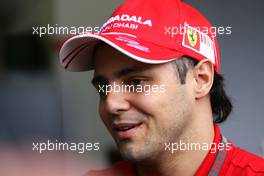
x=131, y=157
x=132, y=153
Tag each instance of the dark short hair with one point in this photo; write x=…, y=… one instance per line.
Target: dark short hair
x=220, y=102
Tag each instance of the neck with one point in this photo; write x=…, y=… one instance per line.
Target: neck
x=183, y=162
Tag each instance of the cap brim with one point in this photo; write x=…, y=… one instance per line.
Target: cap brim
x=77, y=52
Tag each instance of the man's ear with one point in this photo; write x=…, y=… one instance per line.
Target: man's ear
x=204, y=77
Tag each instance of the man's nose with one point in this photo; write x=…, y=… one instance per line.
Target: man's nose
x=116, y=103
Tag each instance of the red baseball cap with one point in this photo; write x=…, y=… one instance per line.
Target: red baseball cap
x=149, y=31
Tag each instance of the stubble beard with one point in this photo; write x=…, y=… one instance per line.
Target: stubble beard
x=152, y=148
x=143, y=152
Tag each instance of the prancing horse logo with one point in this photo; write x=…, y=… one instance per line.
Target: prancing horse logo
x=192, y=37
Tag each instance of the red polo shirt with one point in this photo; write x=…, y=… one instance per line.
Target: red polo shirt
x=231, y=162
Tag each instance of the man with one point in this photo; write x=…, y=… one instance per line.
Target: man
x=161, y=95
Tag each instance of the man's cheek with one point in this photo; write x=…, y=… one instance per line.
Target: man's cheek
x=104, y=120
x=103, y=117
x=107, y=125
x=101, y=110
x=146, y=103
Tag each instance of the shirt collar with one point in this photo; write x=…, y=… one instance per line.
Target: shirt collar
x=207, y=163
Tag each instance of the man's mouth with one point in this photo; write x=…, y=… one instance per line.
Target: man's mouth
x=125, y=130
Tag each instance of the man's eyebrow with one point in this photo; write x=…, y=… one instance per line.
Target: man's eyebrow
x=129, y=70
x=123, y=72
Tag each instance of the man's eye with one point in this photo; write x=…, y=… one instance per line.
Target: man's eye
x=137, y=81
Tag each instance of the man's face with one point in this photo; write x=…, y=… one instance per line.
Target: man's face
x=141, y=124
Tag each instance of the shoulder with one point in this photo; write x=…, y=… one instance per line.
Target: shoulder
x=244, y=162
x=118, y=169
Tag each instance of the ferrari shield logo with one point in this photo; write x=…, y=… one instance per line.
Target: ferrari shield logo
x=192, y=37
